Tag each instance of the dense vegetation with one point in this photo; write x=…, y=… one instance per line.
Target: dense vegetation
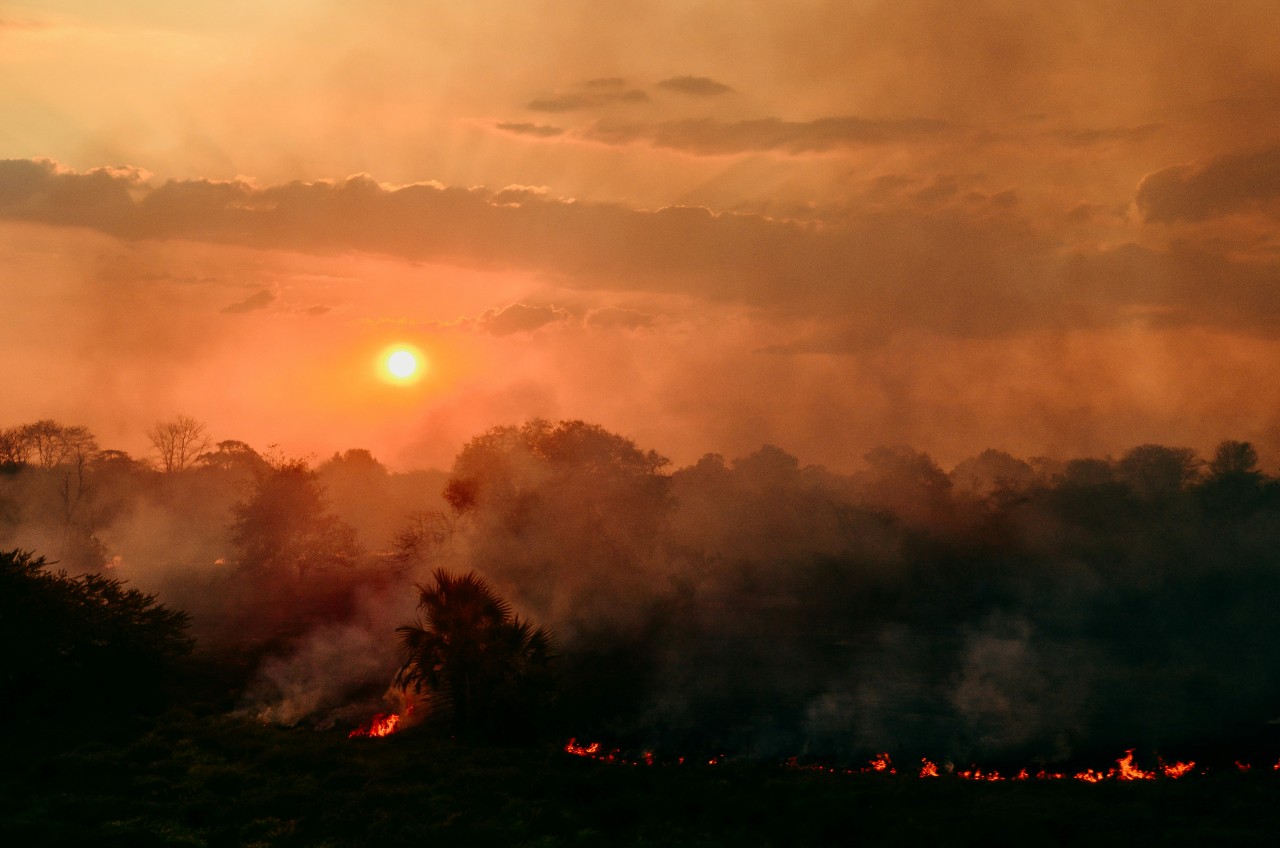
x=84, y=646
x=1007, y=611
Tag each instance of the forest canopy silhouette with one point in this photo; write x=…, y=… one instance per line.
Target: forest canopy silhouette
x=1009, y=607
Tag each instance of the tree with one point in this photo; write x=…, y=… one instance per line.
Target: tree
x=499, y=466
x=1234, y=484
x=359, y=489
x=1155, y=471
x=1234, y=459
x=67, y=641
x=284, y=524
x=425, y=534
x=178, y=442
x=487, y=669
x=990, y=472
x=15, y=446
x=53, y=444
x=906, y=483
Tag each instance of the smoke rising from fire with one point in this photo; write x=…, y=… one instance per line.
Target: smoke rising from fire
x=1033, y=609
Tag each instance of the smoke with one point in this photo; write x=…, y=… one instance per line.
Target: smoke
x=1016, y=608
x=334, y=672
x=1013, y=608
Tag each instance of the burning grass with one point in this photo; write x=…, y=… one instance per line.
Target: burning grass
x=215, y=780
x=1126, y=768
x=382, y=724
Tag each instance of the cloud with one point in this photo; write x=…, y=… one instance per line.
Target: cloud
x=258, y=300
x=959, y=269
x=574, y=101
x=697, y=86
x=516, y=194
x=519, y=318
x=1108, y=135
x=614, y=317
x=707, y=137
x=561, y=103
x=1222, y=185
x=536, y=130
x=42, y=190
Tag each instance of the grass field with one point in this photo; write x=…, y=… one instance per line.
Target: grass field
x=223, y=781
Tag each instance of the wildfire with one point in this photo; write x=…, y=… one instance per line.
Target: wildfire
x=594, y=751
x=1128, y=771
x=1125, y=769
x=572, y=747
x=1176, y=770
x=382, y=724
x=882, y=763
x=978, y=774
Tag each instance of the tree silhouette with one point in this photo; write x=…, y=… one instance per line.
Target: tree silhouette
x=1233, y=458
x=285, y=526
x=178, y=442
x=15, y=446
x=487, y=669
x=1156, y=471
x=1234, y=485
x=51, y=444
x=500, y=467
x=67, y=641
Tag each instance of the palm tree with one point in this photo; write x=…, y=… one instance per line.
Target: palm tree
x=472, y=656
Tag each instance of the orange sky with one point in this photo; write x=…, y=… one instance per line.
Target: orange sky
x=1049, y=227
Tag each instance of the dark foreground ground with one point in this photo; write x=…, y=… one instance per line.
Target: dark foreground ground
x=225, y=782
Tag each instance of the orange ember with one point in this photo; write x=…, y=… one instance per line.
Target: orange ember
x=595, y=751
x=382, y=724
x=928, y=769
x=976, y=773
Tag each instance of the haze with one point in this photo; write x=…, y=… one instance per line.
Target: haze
x=1049, y=228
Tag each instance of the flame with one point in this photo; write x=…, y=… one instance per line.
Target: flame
x=572, y=747
x=596, y=751
x=1128, y=771
x=1125, y=767
x=976, y=773
x=382, y=724
x=882, y=763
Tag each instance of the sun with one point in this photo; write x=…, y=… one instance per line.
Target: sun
x=402, y=364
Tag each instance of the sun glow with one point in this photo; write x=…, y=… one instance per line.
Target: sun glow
x=402, y=364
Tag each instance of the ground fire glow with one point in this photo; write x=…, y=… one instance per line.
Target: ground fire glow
x=1125, y=769
x=382, y=724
